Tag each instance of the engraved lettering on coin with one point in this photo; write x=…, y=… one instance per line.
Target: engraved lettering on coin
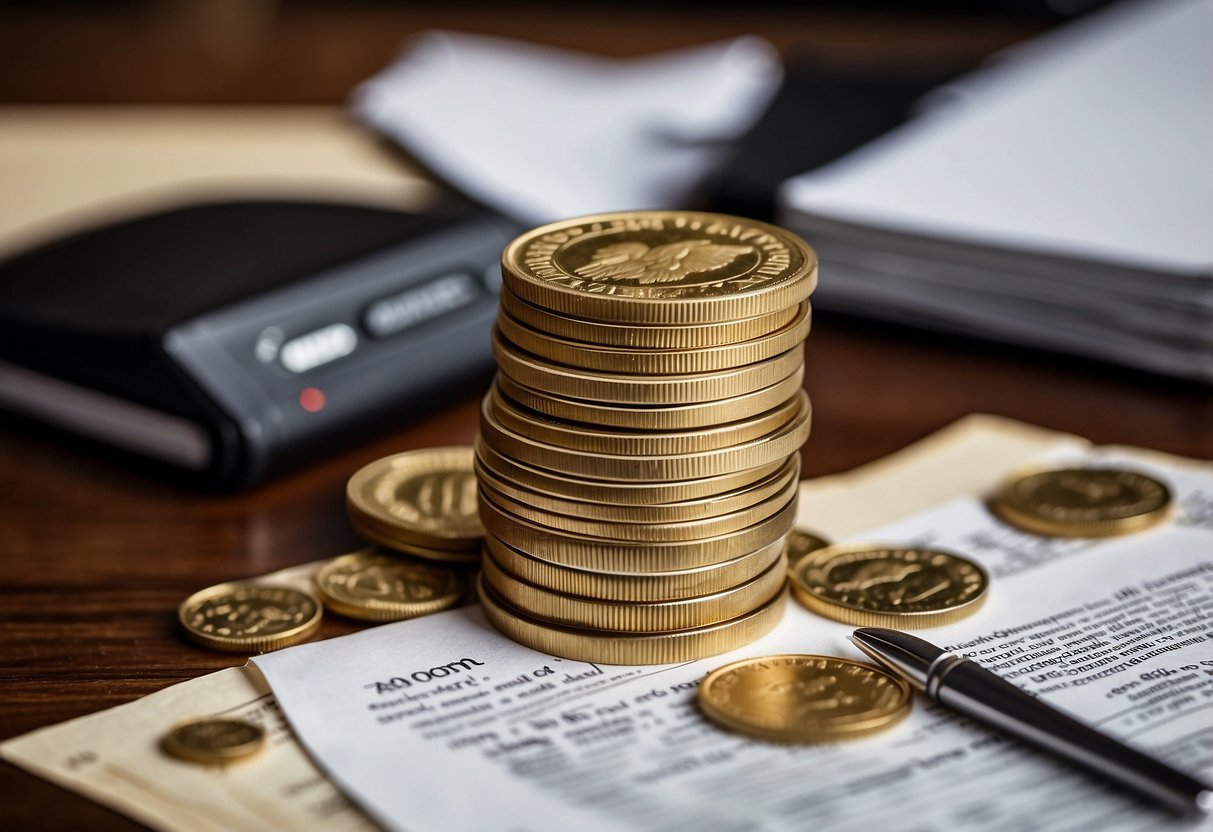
x=861, y=584
x=661, y=264
x=1083, y=502
x=214, y=741
x=803, y=698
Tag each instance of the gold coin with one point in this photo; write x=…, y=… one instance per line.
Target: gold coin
x=801, y=543
x=630, y=494
x=651, y=417
x=633, y=616
x=621, y=388
x=660, y=267
x=681, y=337
x=703, y=508
x=803, y=699
x=581, y=437
x=249, y=618
x=650, y=361
x=370, y=586
x=645, y=532
x=1083, y=502
x=888, y=586
x=607, y=647
x=467, y=557
x=214, y=741
x=426, y=498
x=772, y=447
x=586, y=552
x=634, y=586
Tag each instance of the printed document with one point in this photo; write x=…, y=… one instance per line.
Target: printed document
x=442, y=723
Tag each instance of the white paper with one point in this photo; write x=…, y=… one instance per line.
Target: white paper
x=1092, y=142
x=442, y=723
x=542, y=133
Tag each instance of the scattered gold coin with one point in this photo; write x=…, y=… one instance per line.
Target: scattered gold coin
x=888, y=586
x=803, y=698
x=214, y=741
x=371, y=586
x=1083, y=502
x=424, y=498
x=249, y=618
x=801, y=543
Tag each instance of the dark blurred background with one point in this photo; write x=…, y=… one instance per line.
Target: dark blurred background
x=314, y=51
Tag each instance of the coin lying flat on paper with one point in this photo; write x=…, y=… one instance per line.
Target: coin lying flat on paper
x=371, y=586
x=1083, y=502
x=888, y=586
x=424, y=499
x=249, y=618
x=214, y=741
x=803, y=698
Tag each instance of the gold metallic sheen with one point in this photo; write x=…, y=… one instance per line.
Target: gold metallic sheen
x=249, y=618
x=889, y=586
x=660, y=267
x=650, y=361
x=704, y=508
x=649, y=417
x=214, y=741
x=425, y=498
x=623, y=442
x=698, y=529
x=801, y=543
x=634, y=586
x=633, y=616
x=1083, y=502
x=629, y=648
x=621, y=388
x=763, y=450
x=585, y=552
x=632, y=336
x=370, y=586
x=803, y=699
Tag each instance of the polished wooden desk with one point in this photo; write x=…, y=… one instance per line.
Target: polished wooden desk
x=94, y=558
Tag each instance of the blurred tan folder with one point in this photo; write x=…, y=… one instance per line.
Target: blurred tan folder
x=68, y=167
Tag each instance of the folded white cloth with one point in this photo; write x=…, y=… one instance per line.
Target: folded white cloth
x=542, y=133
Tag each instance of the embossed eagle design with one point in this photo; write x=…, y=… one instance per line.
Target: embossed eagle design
x=660, y=264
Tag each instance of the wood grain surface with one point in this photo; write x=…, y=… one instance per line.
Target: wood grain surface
x=94, y=558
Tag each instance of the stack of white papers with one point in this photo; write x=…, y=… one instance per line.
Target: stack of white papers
x=1062, y=198
x=541, y=133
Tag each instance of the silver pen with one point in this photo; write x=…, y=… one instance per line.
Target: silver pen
x=965, y=686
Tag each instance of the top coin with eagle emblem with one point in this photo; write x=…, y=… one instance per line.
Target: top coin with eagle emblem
x=660, y=267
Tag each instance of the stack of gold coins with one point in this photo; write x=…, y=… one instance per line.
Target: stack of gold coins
x=638, y=457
